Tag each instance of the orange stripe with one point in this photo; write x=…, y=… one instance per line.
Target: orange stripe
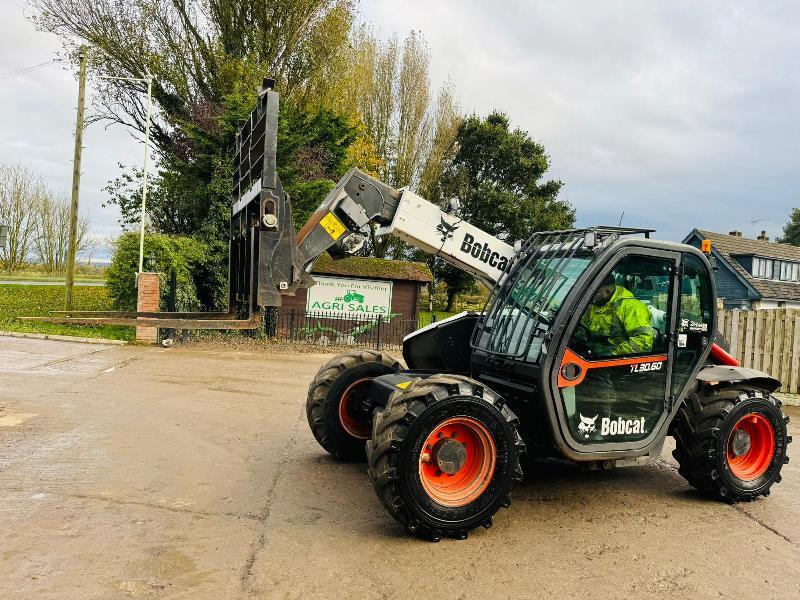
x=571, y=358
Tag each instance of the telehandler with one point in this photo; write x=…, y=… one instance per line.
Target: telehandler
x=531, y=373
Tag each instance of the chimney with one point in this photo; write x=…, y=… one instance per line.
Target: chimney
x=735, y=233
x=763, y=237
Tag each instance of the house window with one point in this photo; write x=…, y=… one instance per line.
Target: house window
x=789, y=271
x=762, y=267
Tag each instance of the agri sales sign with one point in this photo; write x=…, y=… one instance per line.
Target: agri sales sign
x=349, y=298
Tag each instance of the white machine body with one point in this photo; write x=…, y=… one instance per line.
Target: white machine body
x=426, y=226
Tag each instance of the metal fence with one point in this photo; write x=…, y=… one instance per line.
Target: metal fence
x=381, y=332
x=767, y=340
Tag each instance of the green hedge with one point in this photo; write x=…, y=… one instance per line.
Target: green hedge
x=183, y=255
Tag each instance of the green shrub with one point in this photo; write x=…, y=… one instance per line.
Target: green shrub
x=183, y=255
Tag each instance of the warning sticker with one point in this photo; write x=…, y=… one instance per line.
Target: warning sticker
x=403, y=384
x=332, y=225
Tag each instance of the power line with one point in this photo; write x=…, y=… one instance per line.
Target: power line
x=24, y=70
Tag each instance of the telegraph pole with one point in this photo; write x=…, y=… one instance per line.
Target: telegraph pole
x=76, y=178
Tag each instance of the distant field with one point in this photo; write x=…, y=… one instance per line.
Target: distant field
x=37, y=300
x=41, y=276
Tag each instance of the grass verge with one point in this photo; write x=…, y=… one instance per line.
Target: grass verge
x=38, y=300
x=426, y=316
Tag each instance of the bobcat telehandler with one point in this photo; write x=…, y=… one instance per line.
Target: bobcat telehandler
x=443, y=437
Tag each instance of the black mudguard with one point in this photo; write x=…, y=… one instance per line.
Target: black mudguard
x=726, y=374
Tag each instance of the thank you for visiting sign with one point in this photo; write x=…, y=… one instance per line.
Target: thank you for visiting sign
x=348, y=298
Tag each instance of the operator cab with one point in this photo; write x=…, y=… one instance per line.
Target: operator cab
x=606, y=327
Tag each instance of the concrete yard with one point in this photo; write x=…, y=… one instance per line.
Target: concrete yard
x=133, y=472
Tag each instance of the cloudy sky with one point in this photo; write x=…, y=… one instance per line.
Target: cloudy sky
x=681, y=114
x=37, y=120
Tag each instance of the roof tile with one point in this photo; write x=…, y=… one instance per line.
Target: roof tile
x=374, y=268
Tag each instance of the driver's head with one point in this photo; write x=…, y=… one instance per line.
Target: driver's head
x=605, y=292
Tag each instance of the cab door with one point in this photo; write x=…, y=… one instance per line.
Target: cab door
x=695, y=323
x=614, y=379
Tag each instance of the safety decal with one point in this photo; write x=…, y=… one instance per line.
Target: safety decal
x=403, y=384
x=332, y=225
x=686, y=324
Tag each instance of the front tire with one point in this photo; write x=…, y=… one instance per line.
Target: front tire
x=338, y=407
x=731, y=444
x=444, y=456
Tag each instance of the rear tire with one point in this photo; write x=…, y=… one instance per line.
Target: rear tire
x=338, y=408
x=419, y=435
x=731, y=444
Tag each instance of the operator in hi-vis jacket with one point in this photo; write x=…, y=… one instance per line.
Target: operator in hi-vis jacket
x=618, y=322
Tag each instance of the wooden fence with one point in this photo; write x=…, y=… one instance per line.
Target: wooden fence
x=767, y=340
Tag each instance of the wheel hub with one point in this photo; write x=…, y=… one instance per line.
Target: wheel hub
x=740, y=444
x=355, y=409
x=450, y=455
x=751, y=447
x=457, y=461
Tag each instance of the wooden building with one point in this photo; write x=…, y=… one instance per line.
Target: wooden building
x=402, y=280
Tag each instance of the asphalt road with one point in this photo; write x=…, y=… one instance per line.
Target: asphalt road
x=130, y=472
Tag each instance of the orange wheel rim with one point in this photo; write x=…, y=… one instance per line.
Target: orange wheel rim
x=348, y=410
x=457, y=461
x=751, y=446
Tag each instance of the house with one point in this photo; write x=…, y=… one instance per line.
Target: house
x=753, y=274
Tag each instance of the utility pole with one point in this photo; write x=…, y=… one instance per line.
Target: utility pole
x=76, y=178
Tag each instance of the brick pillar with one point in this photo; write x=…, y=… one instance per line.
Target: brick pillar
x=147, y=300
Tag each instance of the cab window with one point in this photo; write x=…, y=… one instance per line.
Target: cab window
x=629, y=311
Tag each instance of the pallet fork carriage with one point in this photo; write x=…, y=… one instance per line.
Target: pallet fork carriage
x=594, y=346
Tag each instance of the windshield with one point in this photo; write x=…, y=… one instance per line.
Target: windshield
x=527, y=304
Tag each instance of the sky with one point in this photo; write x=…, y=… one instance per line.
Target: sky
x=677, y=114
x=37, y=122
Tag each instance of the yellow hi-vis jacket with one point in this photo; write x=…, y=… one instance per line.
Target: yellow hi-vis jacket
x=624, y=321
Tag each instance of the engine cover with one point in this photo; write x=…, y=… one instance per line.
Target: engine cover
x=443, y=346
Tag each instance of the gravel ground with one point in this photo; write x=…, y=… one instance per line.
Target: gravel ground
x=134, y=472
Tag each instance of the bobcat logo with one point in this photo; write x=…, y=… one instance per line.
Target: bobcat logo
x=586, y=425
x=446, y=229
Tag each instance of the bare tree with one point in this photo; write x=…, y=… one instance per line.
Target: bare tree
x=20, y=191
x=51, y=240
